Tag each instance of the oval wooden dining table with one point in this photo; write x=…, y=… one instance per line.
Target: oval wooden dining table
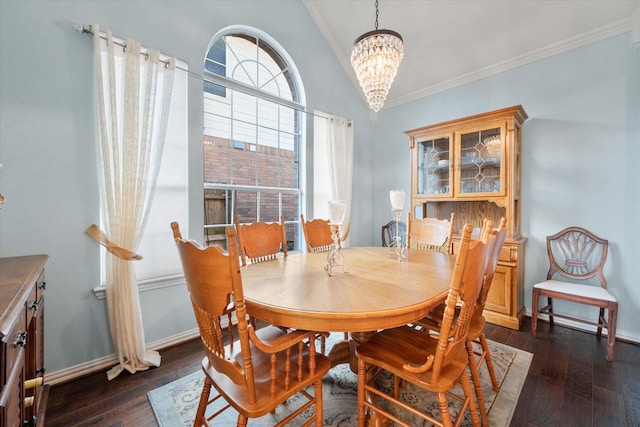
x=374, y=292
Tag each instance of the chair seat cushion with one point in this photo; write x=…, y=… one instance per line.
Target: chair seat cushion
x=569, y=288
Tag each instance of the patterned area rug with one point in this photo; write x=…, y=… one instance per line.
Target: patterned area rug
x=174, y=404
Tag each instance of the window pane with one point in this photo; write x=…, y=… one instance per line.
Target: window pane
x=246, y=206
x=269, y=207
x=244, y=164
x=215, y=62
x=290, y=208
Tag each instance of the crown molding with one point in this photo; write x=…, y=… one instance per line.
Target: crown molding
x=584, y=39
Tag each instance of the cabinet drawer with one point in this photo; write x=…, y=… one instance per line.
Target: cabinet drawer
x=12, y=395
x=15, y=342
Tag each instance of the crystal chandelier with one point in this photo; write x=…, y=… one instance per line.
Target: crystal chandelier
x=375, y=58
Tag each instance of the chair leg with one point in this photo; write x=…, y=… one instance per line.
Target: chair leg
x=443, y=405
x=466, y=386
x=477, y=385
x=242, y=421
x=601, y=316
x=489, y=362
x=201, y=418
x=534, y=311
x=361, y=380
x=611, y=329
x=318, y=403
x=550, y=304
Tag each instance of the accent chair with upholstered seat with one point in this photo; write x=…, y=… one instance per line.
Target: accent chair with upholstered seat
x=259, y=370
x=577, y=256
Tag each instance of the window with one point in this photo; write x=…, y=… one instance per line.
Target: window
x=252, y=134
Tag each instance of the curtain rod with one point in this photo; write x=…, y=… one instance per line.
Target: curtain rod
x=87, y=29
x=84, y=29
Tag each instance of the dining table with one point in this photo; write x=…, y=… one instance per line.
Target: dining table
x=372, y=291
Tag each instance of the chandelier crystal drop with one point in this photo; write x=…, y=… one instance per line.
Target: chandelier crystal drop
x=375, y=58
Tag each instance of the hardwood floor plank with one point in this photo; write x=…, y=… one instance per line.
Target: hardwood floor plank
x=546, y=408
x=608, y=408
x=576, y=411
x=527, y=397
x=580, y=380
x=568, y=366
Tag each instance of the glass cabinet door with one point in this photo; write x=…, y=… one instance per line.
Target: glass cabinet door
x=434, y=169
x=480, y=161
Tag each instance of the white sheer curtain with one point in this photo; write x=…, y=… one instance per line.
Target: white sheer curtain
x=133, y=93
x=340, y=157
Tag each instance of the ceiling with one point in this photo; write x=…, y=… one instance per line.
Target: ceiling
x=452, y=42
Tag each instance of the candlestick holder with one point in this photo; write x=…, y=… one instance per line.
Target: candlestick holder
x=337, y=210
x=396, y=243
x=334, y=256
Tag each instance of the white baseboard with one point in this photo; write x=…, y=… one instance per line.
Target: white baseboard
x=107, y=362
x=620, y=334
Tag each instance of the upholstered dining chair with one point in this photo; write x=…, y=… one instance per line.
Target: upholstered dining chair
x=433, y=362
x=576, y=256
x=261, y=241
x=260, y=369
x=430, y=234
x=389, y=232
x=317, y=234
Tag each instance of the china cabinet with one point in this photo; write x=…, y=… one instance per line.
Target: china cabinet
x=471, y=166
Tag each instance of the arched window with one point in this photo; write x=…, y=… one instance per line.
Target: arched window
x=253, y=127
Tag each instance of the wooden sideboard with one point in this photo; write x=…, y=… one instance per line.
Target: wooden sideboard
x=23, y=395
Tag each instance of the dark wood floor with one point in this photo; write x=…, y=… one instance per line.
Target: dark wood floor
x=569, y=384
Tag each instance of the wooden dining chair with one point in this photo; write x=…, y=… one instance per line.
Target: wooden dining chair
x=389, y=232
x=576, y=256
x=317, y=234
x=260, y=369
x=436, y=363
x=476, y=328
x=430, y=234
x=261, y=241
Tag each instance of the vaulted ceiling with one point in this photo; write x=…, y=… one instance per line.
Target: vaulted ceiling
x=452, y=42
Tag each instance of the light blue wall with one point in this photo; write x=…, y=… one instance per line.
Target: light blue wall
x=580, y=146
x=580, y=155
x=47, y=142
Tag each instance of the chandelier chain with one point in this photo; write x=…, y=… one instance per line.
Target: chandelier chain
x=377, y=13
